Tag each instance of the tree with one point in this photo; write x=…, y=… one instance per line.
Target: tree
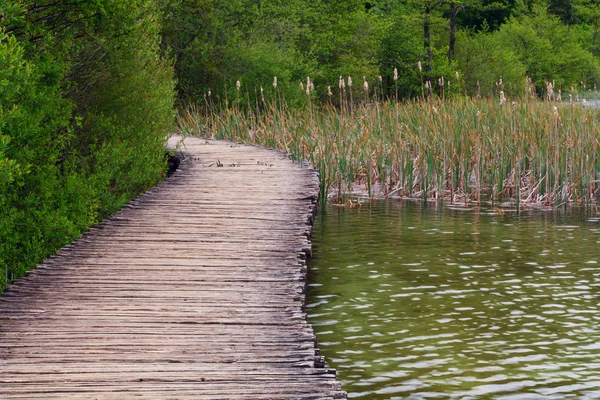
x=588, y=12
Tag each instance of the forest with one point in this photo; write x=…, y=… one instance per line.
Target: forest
x=91, y=89
x=214, y=44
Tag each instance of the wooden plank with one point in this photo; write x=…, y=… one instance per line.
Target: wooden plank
x=195, y=290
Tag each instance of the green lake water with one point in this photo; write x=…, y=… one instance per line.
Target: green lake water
x=417, y=302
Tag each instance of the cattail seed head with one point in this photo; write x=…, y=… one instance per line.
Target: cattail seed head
x=275, y=82
x=395, y=74
x=238, y=85
x=502, y=98
x=420, y=66
x=301, y=86
x=341, y=84
x=209, y=93
x=329, y=91
x=366, y=85
x=349, y=81
x=550, y=91
x=456, y=74
x=379, y=78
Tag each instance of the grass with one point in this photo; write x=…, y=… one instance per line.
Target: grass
x=460, y=150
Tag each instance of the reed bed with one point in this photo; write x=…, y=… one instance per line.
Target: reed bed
x=460, y=150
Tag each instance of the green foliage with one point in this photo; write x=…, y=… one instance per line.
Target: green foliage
x=487, y=62
x=85, y=107
x=215, y=44
x=549, y=50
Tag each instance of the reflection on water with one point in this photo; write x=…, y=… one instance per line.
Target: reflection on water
x=414, y=302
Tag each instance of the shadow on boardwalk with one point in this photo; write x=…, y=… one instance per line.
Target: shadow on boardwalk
x=194, y=290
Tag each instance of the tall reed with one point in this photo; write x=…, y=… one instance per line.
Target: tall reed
x=458, y=149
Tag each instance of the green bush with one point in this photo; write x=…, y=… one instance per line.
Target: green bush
x=86, y=104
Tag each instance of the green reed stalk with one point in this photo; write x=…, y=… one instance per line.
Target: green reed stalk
x=459, y=148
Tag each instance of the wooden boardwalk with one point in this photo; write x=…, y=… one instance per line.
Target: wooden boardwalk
x=193, y=291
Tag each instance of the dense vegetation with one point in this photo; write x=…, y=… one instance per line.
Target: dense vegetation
x=85, y=105
x=463, y=150
x=216, y=43
x=88, y=88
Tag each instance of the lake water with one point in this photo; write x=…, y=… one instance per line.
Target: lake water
x=417, y=302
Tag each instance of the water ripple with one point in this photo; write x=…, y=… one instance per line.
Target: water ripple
x=446, y=304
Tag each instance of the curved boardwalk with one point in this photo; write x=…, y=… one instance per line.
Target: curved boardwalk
x=193, y=291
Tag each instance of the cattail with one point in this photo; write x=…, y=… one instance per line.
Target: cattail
x=502, y=98
x=556, y=114
x=550, y=91
x=456, y=75
x=428, y=84
x=420, y=66
x=366, y=86
x=349, y=81
x=478, y=115
x=329, y=91
x=209, y=93
x=302, y=86
x=559, y=97
x=275, y=82
x=395, y=74
x=238, y=85
x=380, y=79
x=341, y=84
x=441, y=81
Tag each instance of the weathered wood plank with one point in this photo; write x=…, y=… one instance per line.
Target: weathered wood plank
x=195, y=290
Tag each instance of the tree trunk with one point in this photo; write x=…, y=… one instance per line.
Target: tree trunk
x=453, y=12
x=427, y=42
